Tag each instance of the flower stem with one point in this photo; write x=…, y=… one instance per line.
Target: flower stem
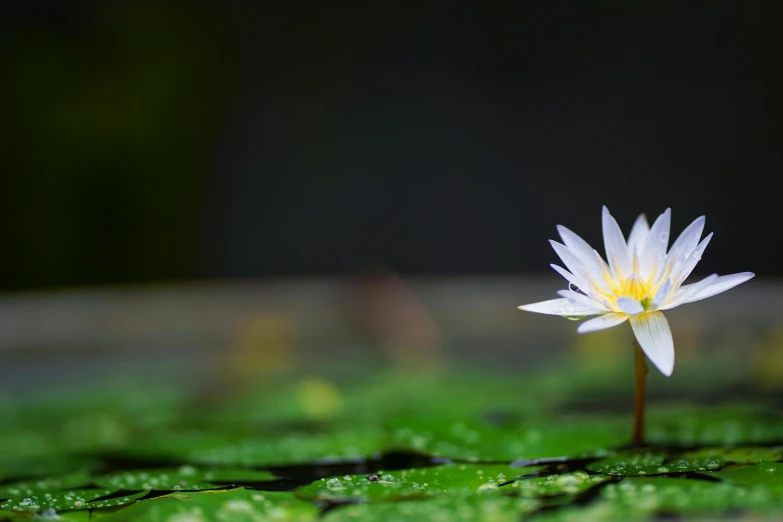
x=640, y=395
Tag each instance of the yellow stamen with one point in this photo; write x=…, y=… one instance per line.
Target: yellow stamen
x=635, y=287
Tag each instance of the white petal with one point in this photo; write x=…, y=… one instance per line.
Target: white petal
x=720, y=284
x=689, y=238
x=597, y=279
x=655, y=337
x=571, y=278
x=560, y=307
x=654, y=249
x=662, y=295
x=689, y=263
x=582, y=284
x=578, y=246
x=630, y=306
x=577, y=298
x=616, y=249
x=572, y=262
x=638, y=235
x=602, y=322
x=685, y=292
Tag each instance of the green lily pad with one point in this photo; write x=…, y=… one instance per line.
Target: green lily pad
x=631, y=464
x=235, y=505
x=637, y=464
x=243, y=449
x=290, y=449
x=560, y=484
x=451, y=479
x=725, y=426
x=689, y=496
x=71, y=499
x=767, y=475
x=222, y=476
x=477, y=508
x=186, y=478
x=374, y=398
x=44, y=485
x=23, y=468
x=598, y=511
x=749, y=455
x=476, y=441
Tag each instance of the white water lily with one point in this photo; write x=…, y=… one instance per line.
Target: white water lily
x=640, y=280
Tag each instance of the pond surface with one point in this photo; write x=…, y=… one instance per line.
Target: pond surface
x=436, y=420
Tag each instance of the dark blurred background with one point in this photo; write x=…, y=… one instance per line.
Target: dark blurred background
x=158, y=141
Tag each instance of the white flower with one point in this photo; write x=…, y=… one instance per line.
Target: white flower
x=641, y=279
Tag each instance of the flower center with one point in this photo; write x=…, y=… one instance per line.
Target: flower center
x=635, y=287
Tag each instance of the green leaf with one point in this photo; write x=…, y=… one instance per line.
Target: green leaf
x=235, y=505
x=187, y=478
x=289, y=449
x=749, y=455
x=560, y=484
x=731, y=425
x=765, y=475
x=44, y=485
x=477, y=508
x=535, y=439
x=71, y=499
x=689, y=496
x=450, y=479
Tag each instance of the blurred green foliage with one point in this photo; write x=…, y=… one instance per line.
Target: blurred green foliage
x=446, y=444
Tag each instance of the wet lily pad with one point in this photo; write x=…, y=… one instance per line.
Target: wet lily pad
x=44, y=485
x=203, y=447
x=290, y=449
x=638, y=463
x=766, y=475
x=451, y=479
x=690, y=496
x=725, y=426
x=566, y=466
x=560, y=484
x=235, y=505
x=476, y=441
x=70, y=499
x=625, y=464
x=186, y=478
x=749, y=455
x=480, y=508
